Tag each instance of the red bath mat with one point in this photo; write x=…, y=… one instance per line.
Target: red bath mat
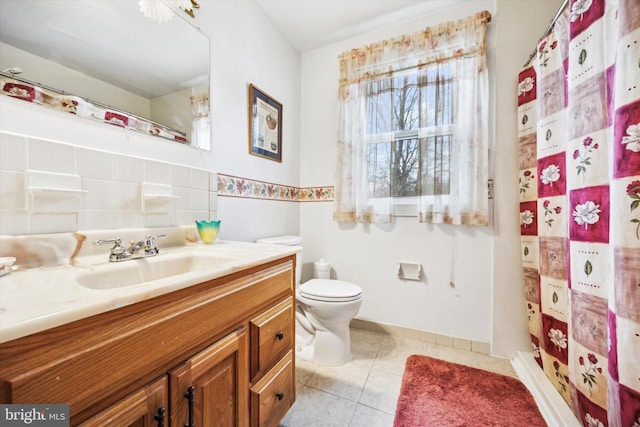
x=439, y=393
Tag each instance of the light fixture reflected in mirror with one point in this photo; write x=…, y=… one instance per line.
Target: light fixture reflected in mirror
x=13, y=70
x=160, y=10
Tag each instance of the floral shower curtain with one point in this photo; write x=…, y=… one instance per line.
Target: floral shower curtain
x=579, y=143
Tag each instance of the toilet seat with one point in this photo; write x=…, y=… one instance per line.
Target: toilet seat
x=330, y=290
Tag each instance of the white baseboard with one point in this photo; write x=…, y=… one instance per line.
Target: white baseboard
x=552, y=406
x=431, y=337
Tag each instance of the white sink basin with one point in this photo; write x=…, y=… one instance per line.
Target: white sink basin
x=67, y=288
x=143, y=270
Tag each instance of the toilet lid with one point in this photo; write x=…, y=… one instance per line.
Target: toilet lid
x=330, y=290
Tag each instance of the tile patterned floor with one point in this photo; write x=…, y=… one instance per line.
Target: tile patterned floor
x=364, y=392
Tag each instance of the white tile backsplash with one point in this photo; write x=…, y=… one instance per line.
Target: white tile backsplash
x=39, y=204
x=100, y=195
x=127, y=196
x=12, y=189
x=51, y=157
x=200, y=179
x=184, y=201
x=199, y=200
x=157, y=172
x=94, y=164
x=180, y=176
x=128, y=169
x=97, y=220
x=159, y=220
x=13, y=152
x=190, y=217
x=112, y=182
x=129, y=219
x=44, y=223
x=14, y=222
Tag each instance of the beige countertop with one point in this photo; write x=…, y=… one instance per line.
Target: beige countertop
x=36, y=299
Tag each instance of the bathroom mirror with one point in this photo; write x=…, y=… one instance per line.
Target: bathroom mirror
x=104, y=60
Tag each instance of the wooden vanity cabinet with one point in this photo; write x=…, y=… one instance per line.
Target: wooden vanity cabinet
x=215, y=354
x=210, y=389
x=145, y=408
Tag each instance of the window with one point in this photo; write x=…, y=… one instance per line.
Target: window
x=401, y=146
x=413, y=127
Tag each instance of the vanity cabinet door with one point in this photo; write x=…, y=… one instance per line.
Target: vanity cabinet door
x=274, y=394
x=146, y=407
x=211, y=388
x=272, y=335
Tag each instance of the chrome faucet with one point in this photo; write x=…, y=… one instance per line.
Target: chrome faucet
x=134, y=247
x=120, y=253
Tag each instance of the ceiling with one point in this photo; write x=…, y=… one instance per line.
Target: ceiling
x=309, y=24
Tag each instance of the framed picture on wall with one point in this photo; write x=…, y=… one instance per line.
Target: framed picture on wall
x=265, y=125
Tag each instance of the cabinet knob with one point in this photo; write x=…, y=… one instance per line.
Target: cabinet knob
x=279, y=395
x=279, y=335
x=160, y=416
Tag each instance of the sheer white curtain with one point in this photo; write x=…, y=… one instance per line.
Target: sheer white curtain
x=200, y=126
x=444, y=68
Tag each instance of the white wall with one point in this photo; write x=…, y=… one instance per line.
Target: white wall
x=519, y=26
x=486, y=303
x=246, y=48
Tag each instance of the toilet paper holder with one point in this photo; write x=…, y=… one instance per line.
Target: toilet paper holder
x=409, y=271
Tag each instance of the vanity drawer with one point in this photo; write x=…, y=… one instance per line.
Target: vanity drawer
x=273, y=395
x=272, y=335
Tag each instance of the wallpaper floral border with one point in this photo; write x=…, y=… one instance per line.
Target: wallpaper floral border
x=234, y=186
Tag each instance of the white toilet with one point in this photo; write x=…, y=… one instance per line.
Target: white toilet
x=323, y=312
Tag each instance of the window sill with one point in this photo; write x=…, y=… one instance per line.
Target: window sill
x=405, y=210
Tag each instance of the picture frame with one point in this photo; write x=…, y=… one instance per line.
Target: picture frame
x=265, y=125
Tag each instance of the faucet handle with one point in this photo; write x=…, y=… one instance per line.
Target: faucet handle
x=115, y=240
x=117, y=248
x=150, y=243
x=150, y=240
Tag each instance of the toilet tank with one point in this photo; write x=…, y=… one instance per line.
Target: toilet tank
x=288, y=241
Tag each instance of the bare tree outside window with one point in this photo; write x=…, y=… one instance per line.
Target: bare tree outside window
x=401, y=163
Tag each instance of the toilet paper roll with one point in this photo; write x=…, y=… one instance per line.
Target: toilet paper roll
x=321, y=269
